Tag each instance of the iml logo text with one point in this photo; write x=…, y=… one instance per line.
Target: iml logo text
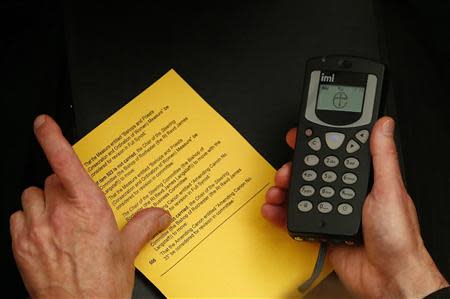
x=327, y=78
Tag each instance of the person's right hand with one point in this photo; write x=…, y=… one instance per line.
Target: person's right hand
x=393, y=262
x=66, y=241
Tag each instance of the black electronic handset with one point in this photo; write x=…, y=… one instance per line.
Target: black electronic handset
x=331, y=169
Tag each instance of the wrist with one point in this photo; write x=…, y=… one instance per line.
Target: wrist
x=420, y=278
x=53, y=293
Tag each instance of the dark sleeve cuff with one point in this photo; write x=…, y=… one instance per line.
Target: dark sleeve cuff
x=440, y=294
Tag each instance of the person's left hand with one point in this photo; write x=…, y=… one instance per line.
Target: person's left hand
x=66, y=241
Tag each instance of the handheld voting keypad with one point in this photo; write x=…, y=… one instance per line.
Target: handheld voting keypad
x=332, y=165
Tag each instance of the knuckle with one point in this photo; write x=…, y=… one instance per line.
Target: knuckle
x=378, y=193
x=20, y=246
x=151, y=214
x=36, y=234
x=50, y=181
x=28, y=192
x=98, y=200
x=57, y=216
x=29, y=195
x=391, y=151
x=63, y=220
x=25, y=193
x=381, y=193
x=13, y=218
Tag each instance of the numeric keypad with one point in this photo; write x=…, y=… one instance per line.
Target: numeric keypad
x=331, y=186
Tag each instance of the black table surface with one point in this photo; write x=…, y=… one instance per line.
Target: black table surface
x=246, y=60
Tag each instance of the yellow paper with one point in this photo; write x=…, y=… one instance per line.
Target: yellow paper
x=169, y=148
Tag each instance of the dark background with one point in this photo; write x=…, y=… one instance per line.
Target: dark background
x=80, y=62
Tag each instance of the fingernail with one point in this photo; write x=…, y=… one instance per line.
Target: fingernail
x=164, y=221
x=270, y=191
x=281, y=172
x=284, y=168
x=388, y=128
x=39, y=121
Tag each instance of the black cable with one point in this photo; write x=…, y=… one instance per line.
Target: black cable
x=317, y=268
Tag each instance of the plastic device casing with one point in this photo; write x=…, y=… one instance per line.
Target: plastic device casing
x=333, y=226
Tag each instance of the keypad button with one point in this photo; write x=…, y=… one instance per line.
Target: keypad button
x=305, y=206
x=347, y=193
x=324, y=207
x=331, y=161
x=311, y=160
x=326, y=192
x=349, y=178
x=345, y=209
x=362, y=136
x=352, y=146
x=334, y=139
x=351, y=163
x=307, y=190
x=329, y=176
x=309, y=175
x=315, y=143
x=308, y=132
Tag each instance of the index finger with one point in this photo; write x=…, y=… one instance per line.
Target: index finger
x=61, y=156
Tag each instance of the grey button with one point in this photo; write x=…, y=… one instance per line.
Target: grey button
x=351, y=163
x=326, y=192
x=309, y=175
x=324, y=207
x=347, y=193
x=334, y=139
x=305, y=206
x=331, y=161
x=362, y=136
x=349, y=178
x=329, y=176
x=352, y=146
x=315, y=143
x=307, y=190
x=311, y=160
x=345, y=209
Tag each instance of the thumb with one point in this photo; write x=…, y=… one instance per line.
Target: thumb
x=387, y=175
x=142, y=228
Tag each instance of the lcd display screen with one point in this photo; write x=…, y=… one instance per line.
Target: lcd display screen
x=340, y=98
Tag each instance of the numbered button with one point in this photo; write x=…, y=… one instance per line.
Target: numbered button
x=331, y=161
x=347, y=193
x=304, y=206
x=351, y=163
x=315, y=144
x=352, y=146
x=345, y=209
x=307, y=190
x=329, y=176
x=309, y=175
x=311, y=160
x=324, y=207
x=362, y=136
x=349, y=178
x=326, y=192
